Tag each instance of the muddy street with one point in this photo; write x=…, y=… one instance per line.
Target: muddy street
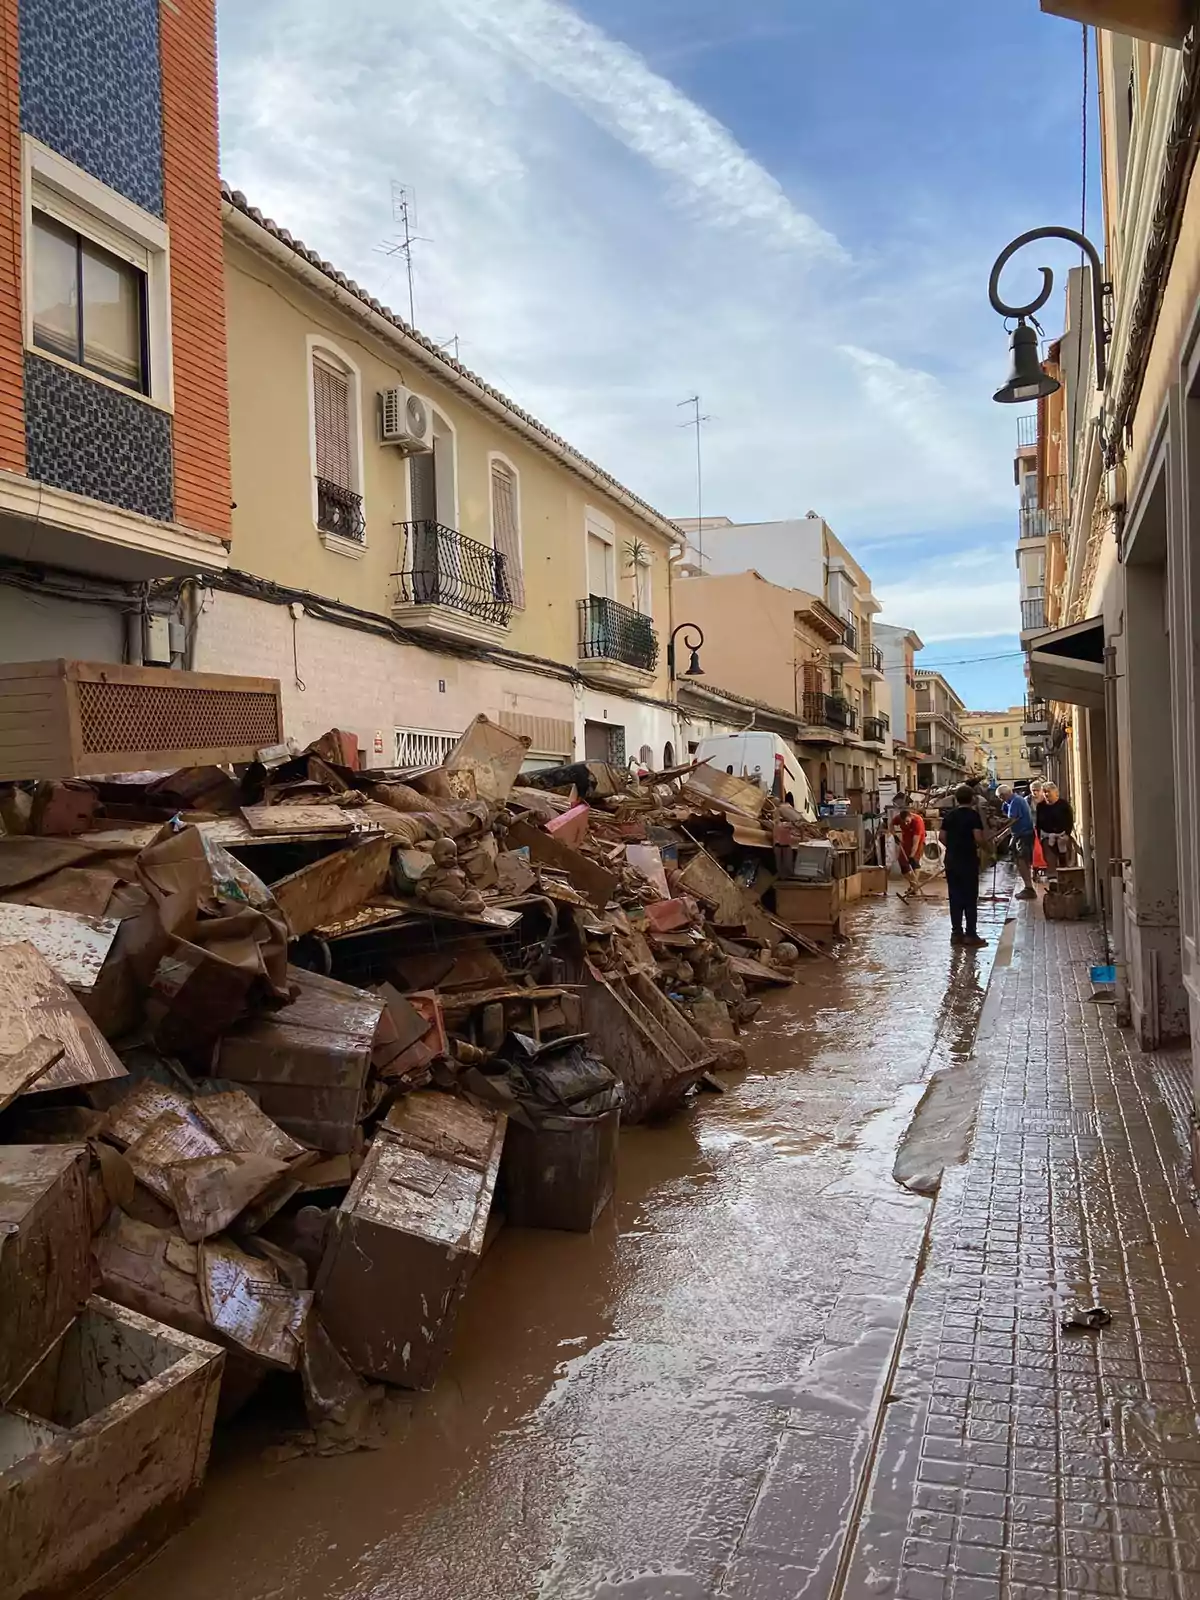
x=679, y=1405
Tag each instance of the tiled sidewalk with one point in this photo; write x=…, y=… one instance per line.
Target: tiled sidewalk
x=1016, y=1459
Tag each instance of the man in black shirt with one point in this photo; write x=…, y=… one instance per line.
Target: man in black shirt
x=962, y=829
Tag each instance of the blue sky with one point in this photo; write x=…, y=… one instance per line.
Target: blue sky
x=787, y=206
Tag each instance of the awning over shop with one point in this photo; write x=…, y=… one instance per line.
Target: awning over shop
x=1067, y=664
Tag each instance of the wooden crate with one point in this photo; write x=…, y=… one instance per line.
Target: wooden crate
x=803, y=903
x=67, y=719
x=102, y=1451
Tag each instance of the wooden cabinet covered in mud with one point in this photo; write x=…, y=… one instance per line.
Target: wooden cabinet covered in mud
x=45, y=1251
x=408, y=1237
x=101, y=1449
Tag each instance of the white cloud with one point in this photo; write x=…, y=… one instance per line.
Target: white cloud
x=972, y=594
x=603, y=246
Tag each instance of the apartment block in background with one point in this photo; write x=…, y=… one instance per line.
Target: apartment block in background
x=898, y=647
x=941, y=745
x=114, y=442
x=803, y=557
x=995, y=742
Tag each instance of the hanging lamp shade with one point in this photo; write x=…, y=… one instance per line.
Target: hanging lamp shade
x=1027, y=377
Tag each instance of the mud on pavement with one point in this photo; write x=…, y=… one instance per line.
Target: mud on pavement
x=679, y=1405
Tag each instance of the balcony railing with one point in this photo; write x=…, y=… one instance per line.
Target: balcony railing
x=1035, y=522
x=1037, y=714
x=340, y=512
x=1027, y=431
x=1033, y=614
x=875, y=729
x=828, y=711
x=609, y=631
x=446, y=568
x=875, y=658
x=850, y=635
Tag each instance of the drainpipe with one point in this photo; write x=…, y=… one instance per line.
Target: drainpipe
x=1116, y=865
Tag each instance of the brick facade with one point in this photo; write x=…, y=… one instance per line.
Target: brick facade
x=203, y=490
x=12, y=405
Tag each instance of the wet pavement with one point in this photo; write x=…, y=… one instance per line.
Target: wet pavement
x=683, y=1404
x=1018, y=1459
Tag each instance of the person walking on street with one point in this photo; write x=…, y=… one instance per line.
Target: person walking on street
x=909, y=829
x=1020, y=821
x=1055, y=826
x=962, y=829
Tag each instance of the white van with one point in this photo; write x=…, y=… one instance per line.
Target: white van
x=765, y=758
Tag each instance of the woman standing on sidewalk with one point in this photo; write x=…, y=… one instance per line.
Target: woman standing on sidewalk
x=962, y=829
x=1056, y=824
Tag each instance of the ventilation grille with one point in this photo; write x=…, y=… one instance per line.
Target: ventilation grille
x=142, y=717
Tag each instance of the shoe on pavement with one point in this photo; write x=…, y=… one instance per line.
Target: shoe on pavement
x=958, y=938
x=974, y=940
x=1027, y=894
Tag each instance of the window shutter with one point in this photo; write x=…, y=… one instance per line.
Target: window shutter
x=331, y=397
x=505, y=531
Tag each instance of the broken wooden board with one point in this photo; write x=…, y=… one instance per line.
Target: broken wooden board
x=330, y=888
x=86, y=890
x=75, y=947
x=707, y=880
x=492, y=756
x=245, y=1300
x=35, y=1001
x=240, y=1124
x=263, y=820
x=20, y=1072
x=727, y=792
x=588, y=876
x=758, y=972
x=210, y=1192
x=169, y=1139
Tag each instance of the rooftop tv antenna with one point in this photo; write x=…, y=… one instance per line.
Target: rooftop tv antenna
x=404, y=213
x=697, y=421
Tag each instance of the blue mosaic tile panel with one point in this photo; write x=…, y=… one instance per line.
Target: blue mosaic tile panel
x=93, y=440
x=91, y=89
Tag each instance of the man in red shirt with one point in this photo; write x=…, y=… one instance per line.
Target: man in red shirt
x=909, y=830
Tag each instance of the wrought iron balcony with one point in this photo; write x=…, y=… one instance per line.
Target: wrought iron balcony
x=850, y=635
x=875, y=729
x=1027, y=431
x=875, y=658
x=1037, y=715
x=445, y=568
x=1035, y=522
x=1033, y=614
x=609, y=631
x=340, y=512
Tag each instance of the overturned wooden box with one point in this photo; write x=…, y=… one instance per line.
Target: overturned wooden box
x=45, y=1252
x=645, y=1039
x=408, y=1236
x=561, y=1173
x=68, y=719
x=101, y=1451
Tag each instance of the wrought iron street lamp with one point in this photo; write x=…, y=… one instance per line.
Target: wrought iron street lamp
x=1028, y=378
x=695, y=670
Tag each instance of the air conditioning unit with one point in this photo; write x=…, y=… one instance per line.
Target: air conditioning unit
x=407, y=421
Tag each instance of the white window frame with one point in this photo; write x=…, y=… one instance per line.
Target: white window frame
x=316, y=344
x=56, y=186
x=506, y=461
x=604, y=528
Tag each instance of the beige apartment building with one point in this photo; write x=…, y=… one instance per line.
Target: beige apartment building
x=898, y=647
x=411, y=547
x=1117, y=458
x=941, y=752
x=998, y=735
x=794, y=584
x=786, y=650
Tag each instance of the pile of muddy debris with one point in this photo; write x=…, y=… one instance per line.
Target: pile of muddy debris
x=282, y=1045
